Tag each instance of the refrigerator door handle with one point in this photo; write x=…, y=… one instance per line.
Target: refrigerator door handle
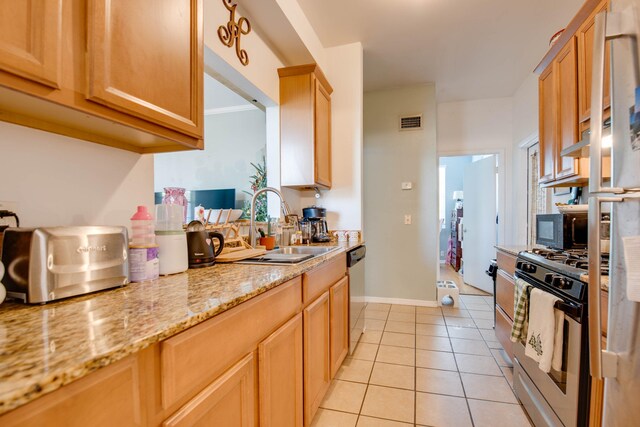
x=608, y=25
x=602, y=363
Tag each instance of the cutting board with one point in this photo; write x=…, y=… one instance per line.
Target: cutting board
x=240, y=255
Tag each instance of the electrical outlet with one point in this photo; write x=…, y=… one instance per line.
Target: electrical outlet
x=407, y=185
x=407, y=219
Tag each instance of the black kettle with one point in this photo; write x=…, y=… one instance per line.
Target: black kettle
x=200, y=247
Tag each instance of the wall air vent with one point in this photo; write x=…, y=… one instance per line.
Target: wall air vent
x=413, y=122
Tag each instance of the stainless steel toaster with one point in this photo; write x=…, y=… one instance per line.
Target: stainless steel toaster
x=47, y=264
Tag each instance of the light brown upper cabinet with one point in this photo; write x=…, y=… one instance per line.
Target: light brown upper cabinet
x=305, y=127
x=145, y=61
x=30, y=40
x=558, y=94
x=585, y=65
x=547, y=118
x=123, y=73
x=565, y=98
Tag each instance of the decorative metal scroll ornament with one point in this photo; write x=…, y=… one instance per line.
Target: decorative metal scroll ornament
x=231, y=33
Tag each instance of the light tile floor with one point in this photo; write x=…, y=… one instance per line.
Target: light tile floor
x=422, y=366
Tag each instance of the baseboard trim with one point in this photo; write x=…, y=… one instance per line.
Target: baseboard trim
x=402, y=301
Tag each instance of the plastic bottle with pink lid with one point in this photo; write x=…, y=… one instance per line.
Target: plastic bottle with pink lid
x=142, y=228
x=143, y=252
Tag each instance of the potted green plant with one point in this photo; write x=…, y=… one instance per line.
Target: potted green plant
x=258, y=181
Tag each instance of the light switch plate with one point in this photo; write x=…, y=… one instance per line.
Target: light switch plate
x=407, y=185
x=407, y=219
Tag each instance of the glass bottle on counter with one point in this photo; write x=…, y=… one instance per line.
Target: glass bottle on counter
x=175, y=196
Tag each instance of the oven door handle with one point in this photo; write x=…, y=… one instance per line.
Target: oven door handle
x=602, y=363
x=568, y=309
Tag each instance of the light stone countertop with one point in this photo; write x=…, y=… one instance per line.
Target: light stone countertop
x=44, y=347
x=513, y=250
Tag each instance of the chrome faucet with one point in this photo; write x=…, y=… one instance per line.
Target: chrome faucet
x=285, y=209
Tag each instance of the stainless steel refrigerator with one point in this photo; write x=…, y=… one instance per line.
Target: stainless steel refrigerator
x=619, y=363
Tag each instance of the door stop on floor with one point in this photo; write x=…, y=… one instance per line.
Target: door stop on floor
x=448, y=293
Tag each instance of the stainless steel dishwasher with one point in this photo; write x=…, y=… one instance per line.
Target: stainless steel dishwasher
x=355, y=266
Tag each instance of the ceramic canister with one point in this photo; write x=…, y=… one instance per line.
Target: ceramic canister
x=144, y=263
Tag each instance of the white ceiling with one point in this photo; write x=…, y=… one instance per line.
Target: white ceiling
x=471, y=49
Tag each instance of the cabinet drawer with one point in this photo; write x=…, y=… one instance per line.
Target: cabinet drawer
x=503, y=331
x=318, y=280
x=504, y=292
x=228, y=401
x=194, y=358
x=506, y=262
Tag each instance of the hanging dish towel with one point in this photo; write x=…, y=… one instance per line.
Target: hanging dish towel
x=520, y=310
x=544, y=328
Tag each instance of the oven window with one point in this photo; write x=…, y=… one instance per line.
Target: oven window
x=560, y=377
x=545, y=230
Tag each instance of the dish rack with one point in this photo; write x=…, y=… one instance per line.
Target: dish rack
x=230, y=230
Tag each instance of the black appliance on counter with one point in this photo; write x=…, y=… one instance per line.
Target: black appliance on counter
x=562, y=231
x=558, y=398
x=319, y=230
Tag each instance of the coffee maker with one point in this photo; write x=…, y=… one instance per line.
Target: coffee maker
x=319, y=230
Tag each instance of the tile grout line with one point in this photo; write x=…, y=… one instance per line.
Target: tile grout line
x=464, y=391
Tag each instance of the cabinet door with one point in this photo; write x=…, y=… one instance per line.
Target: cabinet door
x=547, y=118
x=228, y=401
x=339, y=306
x=108, y=397
x=31, y=40
x=280, y=376
x=504, y=293
x=145, y=58
x=585, y=65
x=567, y=98
x=322, y=128
x=317, y=370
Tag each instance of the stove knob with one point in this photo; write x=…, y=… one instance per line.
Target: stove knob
x=529, y=268
x=548, y=278
x=560, y=282
x=519, y=265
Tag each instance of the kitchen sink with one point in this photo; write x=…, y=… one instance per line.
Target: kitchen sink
x=290, y=255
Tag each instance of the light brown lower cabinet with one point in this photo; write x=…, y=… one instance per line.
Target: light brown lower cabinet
x=339, y=323
x=228, y=401
x=503, y=331
x=317, y=366
x=280, y=376
x=268, y=362
x=107, y=397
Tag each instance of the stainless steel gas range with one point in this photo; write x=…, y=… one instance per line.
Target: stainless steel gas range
x=557, y=398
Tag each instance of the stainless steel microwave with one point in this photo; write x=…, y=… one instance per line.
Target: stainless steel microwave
x=562, y=231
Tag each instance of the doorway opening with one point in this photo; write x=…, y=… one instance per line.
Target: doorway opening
x=220, y=176
x=468, y=207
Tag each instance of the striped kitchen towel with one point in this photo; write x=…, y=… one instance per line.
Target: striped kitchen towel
x=521, y=293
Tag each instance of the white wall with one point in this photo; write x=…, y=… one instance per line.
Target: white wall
x=344, y=201
x=402, y=260
x=232, y=142
x=57, y=180
x=263, y=62
x=525, y=130
x=482, y=126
